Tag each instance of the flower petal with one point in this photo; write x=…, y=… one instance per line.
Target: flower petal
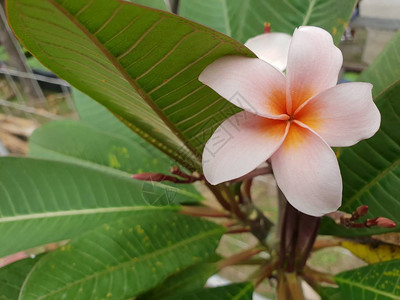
x=313, y=65
x=307, y=172
x=342, y=115
x=271, y=47
x=239, y=145
x=248, y=83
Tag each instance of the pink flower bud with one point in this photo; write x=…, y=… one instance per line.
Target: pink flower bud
x=385, y=223
x=267, y=27
x=361, y=211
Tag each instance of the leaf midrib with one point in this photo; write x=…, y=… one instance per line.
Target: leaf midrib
x=131, y=81
x=371, y=183
x=86, y=211
x=308, y=13
x=135, y=261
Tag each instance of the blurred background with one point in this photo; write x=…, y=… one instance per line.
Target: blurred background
x=30, y=95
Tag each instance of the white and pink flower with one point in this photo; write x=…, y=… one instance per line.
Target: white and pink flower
x=292, y=120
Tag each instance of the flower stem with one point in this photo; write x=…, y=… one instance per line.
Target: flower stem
x=298, y=232
x=203, y=212
x=239, y=257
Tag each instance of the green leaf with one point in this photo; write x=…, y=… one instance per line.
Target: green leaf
x=158, y=4
x=124, y=258
x=385, y=70
x=13, y=276
x=96, y=115
x=192, y=278
x=371, y=170
x=245, y=19
x=47, y=201
x=238, y=291
x=142, y=64
x=83, y=144
x=78, y=143
x=377, y=281
x=329, y=293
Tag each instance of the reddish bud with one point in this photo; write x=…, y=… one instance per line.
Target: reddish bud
x=267, y=27
x=385, y=223
x=360, y=211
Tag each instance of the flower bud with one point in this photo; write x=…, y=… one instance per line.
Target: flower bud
x=267, y=27
x=361, y=211
x=385, y=223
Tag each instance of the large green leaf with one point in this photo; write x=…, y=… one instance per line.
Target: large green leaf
x=13, y=276
x=377, y=281
x=124, y=258
x=142, y=64
x=76, y=141
x=242, y=19
x=159, y=4
x=385, y=70
x=371, y=170
x=82, y=144
x=93, y=113
x=45, y=201
x=188, y=280
x=238, y=291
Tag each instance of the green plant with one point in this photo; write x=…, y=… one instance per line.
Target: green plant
x=146, y=239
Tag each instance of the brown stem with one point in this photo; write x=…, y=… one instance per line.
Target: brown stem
x=230, y=223
x=282, y=291
x=288, y=238
x=239, y=257
x=232, y=201
x=281, y=212
x=318, y=276
x=246, y=190
x=220, y=198
x=266, y=272
x=203, y=212
x=294, y=286
x=298, y=233
x=307, y=233
x=250, y=215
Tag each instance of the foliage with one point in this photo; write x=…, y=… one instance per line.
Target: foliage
x=128, y=238
x=377, y=281
x=245, y=19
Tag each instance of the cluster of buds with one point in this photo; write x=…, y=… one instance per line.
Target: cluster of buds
x=177, y=176
x=347, y=220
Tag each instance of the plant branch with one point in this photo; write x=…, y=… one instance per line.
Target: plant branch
x=218, y=196
x=266, y=272
x=321, y=244
x=239, y=257
x=203, y=212
x=317, y=276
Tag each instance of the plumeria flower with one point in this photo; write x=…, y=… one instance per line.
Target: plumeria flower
x=292, y=120
x=271, y=47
